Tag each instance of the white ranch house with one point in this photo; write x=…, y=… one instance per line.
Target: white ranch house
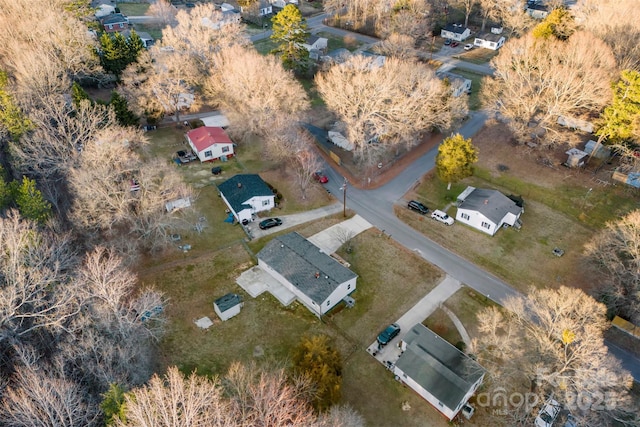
x=245, y=195
x=456, y=32
x=439, y=372
x=459, y=85
x=210, y=143
x=489, y=41
x=487, y=210
x=317, y=280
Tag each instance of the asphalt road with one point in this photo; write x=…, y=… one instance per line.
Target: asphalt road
x=376, y=206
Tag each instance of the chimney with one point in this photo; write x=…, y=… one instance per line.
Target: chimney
x=317, y=275
x=486, y=201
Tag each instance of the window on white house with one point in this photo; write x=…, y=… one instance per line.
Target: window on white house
x=349, y=286
x=464, y=216
x=486, y=225
x=328, y=303
x=110, y=26
x=208, y=153
x=225, y=149
x=265, y=203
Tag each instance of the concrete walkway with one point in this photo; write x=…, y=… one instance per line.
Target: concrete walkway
x=330, y=239
x=292, y=220
x=459, y=326
x=416, y=314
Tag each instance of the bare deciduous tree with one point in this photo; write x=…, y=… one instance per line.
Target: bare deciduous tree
x=616, y=250
x=607, y=20
x=196, y=38
x=304, y=164
x=107, y=202
x=35, y=292
x=536, y=81
x=164, y=12
x=41, y=396
x=557, y=336
x=391, y=104
x=398, y=46
x=254, y=399
x=256, y=92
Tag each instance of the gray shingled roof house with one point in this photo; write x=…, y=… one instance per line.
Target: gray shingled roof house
x=318, y=281
x=245, y=195
x=456, y=32
x=487, y=210
x=437, y=371
x=227, y=306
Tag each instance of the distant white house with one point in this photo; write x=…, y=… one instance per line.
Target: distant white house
x=228, y=306
x=459, y=84
x=104, y=10
x=316, y=43
x=489, y=41
x=436, y=370
x=246, y=195
x=487, y=210
x=317, y=280
x=456, y=32
x=210, y=143
x=537, y=11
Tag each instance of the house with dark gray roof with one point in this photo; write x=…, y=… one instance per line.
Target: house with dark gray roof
x=456, y=32
x=317, y=280
x=246, y=195
x=537, y=10
x=487, y=210
x=437, y=371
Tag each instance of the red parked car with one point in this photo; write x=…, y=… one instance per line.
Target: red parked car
x=455, y=44
x=322, y=179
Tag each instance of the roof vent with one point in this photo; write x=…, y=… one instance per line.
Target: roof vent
x=326, y=277
x=239, y=185
x=282, y=246
x=486, y=201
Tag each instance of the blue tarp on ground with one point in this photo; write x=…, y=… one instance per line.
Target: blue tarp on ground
x=633, y=179
x=230, y=219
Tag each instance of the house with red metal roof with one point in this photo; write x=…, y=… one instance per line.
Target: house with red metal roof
x=210, y=143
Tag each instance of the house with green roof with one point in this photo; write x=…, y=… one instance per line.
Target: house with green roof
x=437, y=371
x=245, y=195
x=317, y=280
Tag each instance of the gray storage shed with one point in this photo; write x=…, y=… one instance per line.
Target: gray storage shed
x=228, y=306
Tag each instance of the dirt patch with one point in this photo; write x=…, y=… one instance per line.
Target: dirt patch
x=499, y=153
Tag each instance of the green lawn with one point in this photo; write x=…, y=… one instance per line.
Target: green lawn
x=154, y=30
x=478, y=55
x=133, y=9
x=265, y=46
x=334, y=42
x=390, y=280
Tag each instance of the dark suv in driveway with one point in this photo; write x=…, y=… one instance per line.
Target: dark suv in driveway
x=388, y=334
x=414, y=205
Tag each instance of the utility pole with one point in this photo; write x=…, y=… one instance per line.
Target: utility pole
x=344, y=198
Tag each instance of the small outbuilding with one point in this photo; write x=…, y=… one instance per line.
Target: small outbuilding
x=228, y=306
x=576, y=158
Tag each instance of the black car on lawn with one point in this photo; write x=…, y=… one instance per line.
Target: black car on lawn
x=270, y=222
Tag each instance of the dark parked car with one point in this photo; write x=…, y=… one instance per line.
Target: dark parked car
x=414, y=205
x=447, y=42
x=270, y=222
x=190, y=5
x=455, y=44
x=388, y=334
